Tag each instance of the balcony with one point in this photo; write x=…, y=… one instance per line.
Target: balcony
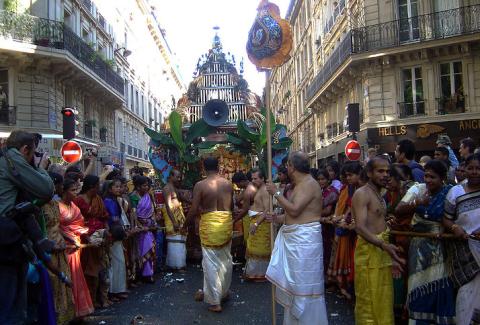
x=54, y=34
x=8, y=115
x=411, y=109
x=451, y=105
x=334, y=61
x=434, y=26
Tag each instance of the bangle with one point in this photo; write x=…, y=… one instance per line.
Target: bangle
x=454, y=226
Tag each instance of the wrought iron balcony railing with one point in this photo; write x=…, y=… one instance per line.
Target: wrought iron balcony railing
x=334, y=61
x=451, y=105
x=411, y=109
x=54, y=34
x=8, y=115
x=433, y=26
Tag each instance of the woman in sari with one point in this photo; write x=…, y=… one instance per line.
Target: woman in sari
x=118, y=270
x=142, y=202
x=73, y=229
x=94, y=258
x=430, y=291
x=62, y=294
x=341, y=266
x=329, y=199
x=462, y=218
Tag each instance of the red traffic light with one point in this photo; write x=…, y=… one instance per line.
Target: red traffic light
x=68, y=112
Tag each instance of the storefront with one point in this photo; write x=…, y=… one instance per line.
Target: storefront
x=385, y=139
x=424, y=135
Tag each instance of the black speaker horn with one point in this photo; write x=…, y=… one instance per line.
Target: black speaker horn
x=215, y=112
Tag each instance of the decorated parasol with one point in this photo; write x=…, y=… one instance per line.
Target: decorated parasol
x=268, y=46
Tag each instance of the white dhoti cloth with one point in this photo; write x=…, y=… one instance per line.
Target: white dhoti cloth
x=118, y=270
x=176, y=252
x=296, y=269
x=468, y=297
x=217, y=273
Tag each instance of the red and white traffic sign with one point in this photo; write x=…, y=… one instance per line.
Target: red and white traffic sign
x=71, y=152
x=353, y=150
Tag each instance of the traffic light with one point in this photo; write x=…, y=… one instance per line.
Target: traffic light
x=69, y=123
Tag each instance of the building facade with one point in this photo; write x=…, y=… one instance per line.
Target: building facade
x=109, y=61
x=411, y=65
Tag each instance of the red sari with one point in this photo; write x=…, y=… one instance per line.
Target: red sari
x=72, y=227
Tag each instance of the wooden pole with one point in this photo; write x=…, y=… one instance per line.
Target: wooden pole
x=427, y=235
x=269, y=177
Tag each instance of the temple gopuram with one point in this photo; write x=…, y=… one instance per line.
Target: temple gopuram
x=216, y=77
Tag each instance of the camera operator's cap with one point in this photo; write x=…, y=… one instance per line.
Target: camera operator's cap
x=444, y=139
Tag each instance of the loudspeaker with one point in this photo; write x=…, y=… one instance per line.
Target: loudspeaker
x=215, y=112
x=353, y=114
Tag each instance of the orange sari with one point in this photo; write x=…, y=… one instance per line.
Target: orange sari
x=72, y=227
x=341, y=267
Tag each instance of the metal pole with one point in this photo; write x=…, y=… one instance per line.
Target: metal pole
x=269, y=171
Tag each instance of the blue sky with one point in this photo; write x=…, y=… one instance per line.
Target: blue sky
x=189, y=31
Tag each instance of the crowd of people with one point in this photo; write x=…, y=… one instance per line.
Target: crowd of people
x=397, y=238
x=401, y=239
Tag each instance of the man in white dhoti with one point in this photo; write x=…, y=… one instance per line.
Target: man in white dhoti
x=213, y=198
x=299, y=281
x=174, y=224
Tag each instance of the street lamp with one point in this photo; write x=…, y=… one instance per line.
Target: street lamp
x=125, y=51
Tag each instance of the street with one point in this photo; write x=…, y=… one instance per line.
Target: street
x=171, y=302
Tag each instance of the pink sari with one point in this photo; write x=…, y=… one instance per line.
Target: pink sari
x=72, y=227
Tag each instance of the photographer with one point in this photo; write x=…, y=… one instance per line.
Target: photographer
x=23, y=179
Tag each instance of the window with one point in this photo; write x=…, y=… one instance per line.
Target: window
x=136, y=102
x=452, y=99
x=408, y=15
x=131, y=99
x=413, y=103
x=69, y=20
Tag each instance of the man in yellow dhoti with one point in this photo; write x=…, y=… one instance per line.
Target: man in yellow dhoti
x=244, y=202
x=373, y=254
x=296, y=266
x=213, y=197
x=258, y=241
x=174, y=223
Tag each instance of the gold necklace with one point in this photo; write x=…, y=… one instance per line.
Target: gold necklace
x=379, y=198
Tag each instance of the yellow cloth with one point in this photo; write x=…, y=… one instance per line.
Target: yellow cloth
x=258, y=245
x=373, y=284
x=216, y=228
x=179, y=217
x=246, y=227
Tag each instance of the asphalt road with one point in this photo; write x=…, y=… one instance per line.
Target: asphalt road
x=171, y=302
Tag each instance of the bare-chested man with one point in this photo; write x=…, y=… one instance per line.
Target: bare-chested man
x=296, y=266
x=174, y=223
x=244, y=202
x=213, y=199
x=373, y=253
x=258, y=242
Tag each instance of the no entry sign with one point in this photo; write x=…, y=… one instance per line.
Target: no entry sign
x=353, y=150
x=71, y=152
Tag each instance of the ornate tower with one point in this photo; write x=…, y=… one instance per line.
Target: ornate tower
x=216, y=77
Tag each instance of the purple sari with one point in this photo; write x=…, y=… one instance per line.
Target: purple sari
x=146, y=240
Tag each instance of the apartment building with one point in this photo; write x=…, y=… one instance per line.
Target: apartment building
x=109, y=60
x=412, y=65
